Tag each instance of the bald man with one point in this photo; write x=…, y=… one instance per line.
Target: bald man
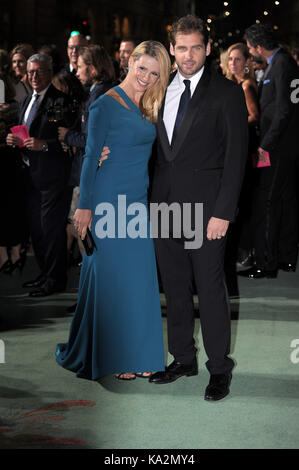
x=73, y=45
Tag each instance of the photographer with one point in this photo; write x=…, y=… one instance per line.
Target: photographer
x=48, y=170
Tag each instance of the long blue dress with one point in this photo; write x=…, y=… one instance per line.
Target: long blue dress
x=117, y=325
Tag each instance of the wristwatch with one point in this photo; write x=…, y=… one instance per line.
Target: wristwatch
x=45, y=147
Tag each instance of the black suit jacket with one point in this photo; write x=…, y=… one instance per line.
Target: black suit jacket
x=207, y=161
x=279, y=116
x=51, y=167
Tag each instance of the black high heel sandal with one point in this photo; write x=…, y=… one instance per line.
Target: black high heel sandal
x=6, y=267
x=121, y=376
x=19, y=264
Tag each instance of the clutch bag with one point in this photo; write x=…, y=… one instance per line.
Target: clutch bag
x=89, y=243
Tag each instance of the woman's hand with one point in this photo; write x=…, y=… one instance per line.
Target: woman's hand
x=61, y=133
x=104, y=154
x=82, y=219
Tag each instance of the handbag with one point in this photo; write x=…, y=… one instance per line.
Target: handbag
x=89, y=243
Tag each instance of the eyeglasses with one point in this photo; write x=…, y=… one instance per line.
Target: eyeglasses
x=38, y=72
x=72, y=48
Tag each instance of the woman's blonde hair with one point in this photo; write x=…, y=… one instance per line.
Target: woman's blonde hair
x=245, y=51
x=153, y=97
x=223, y=62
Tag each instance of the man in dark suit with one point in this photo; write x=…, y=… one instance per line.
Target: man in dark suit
x=275, y=215
x=48, y=170
x=74, y=44
x=202, y=148
x=126, y=48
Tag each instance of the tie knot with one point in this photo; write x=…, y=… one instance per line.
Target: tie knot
x=187, y=83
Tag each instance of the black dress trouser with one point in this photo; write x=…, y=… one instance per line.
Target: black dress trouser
x=178, y=267
x=47, y=213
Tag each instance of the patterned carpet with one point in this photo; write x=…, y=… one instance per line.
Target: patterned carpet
x=43, y=406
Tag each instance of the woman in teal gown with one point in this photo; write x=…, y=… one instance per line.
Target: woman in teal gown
x=117, y=327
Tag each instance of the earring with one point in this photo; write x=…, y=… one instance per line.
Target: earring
x=246, y=69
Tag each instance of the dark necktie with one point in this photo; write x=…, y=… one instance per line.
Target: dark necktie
x=185, y=98
x=32, y=112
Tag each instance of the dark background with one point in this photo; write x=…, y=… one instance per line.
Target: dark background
x=107, y=21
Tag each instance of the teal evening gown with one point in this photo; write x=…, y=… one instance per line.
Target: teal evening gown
x=117, y=326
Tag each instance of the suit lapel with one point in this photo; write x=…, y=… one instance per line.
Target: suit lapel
x=43, y=104
x=25, y=104
x=161, y=129
x=194, y=107
x=196, y=103
x=162, y=134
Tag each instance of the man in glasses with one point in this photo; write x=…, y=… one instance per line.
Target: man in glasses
x=48, y=169
x=73, y=45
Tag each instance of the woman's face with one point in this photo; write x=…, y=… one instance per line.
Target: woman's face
x=236, y=62
x=144, y=72
x=19, y=64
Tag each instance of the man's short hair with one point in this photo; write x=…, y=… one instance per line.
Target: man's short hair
x=43, y=58
x=189, y=24
x=133, y=41
x=261, y=35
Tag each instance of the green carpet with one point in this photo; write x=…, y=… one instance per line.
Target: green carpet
x=45, y=406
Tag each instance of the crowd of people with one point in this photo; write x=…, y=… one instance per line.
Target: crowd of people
x=225, y=138
x=266, y=230
x=39, y=190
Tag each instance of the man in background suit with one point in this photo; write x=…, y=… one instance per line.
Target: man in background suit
x=48, y=170
x=73, y=45
x=202, y=149
x=275, y=214
x=126, y=48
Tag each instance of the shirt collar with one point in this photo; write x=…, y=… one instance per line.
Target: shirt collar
x=41, y=93
x=92, y=87
x=273, y=55
x=194, y=79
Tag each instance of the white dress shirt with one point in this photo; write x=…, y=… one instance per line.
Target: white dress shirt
x=173, y=96
x=40, y=99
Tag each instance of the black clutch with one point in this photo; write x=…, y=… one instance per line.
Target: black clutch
x=88, y=243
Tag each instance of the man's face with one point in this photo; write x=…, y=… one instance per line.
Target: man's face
x=83, y=71
x=125, y=50
x=73, y=46
x=39, y=75
x=190, y=53
x=254, y=51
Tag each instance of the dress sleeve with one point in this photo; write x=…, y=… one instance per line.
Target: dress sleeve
x=98, y=125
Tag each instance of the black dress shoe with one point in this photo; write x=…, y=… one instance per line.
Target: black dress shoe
x=173, y=372
x=218, y=387
x=38, y=282
x=257, y=273
x=288, y=267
